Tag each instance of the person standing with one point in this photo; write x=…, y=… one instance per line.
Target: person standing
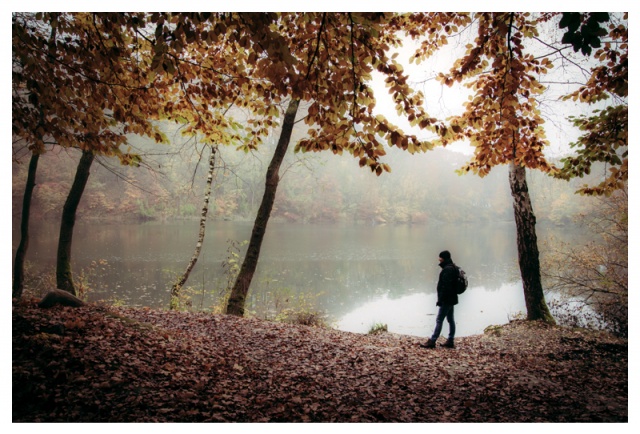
x=447, y=299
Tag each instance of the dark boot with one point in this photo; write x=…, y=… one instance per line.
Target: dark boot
x=429, y=344
x=448, y=343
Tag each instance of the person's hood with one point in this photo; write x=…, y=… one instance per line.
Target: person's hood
x=445, y=262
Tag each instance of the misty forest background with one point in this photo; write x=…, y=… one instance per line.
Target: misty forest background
x=315, y=188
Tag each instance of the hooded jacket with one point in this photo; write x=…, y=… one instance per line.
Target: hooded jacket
x=447, y=294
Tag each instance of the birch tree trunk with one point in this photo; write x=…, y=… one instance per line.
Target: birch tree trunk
x=64, y=278
x=236, y=303
x=177, y=286
x=21, y=252
x=528, y=255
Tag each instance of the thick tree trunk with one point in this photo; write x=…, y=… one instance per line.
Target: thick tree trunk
x=18, y=268
x=235, y=305
x=64, y=278
x=528, y=255
x=175, y=289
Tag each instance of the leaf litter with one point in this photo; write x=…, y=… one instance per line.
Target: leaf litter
x=122, y=364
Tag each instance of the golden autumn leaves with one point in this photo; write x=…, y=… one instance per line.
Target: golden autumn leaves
x=116, y=72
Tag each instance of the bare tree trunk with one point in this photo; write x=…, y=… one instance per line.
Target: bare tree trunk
x=64, y=278
x=175, y=289
x=18, y=268
x=528, y=255
x=235, y=305
x=21, y=252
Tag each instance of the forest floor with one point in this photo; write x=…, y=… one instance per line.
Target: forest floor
x=107, y=364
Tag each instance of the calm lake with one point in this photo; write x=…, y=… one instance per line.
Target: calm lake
x=359, y=275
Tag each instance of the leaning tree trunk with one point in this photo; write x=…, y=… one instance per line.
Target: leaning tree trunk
x=175, y=289
x=18, y=268
x=235, y=305
x=528, y=255
x=64, y=279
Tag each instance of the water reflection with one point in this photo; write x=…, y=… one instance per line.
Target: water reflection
x=414, y=314
x=360, y=274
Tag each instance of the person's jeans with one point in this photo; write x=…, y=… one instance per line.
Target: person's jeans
x=444, y=311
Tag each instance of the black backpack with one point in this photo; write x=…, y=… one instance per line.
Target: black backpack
x=461, y=281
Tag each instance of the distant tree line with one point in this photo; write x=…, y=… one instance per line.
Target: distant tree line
x=421, y=189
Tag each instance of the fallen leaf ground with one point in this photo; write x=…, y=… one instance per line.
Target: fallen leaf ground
x=106, y=364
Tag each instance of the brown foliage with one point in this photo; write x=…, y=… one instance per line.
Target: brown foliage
x=106, y=364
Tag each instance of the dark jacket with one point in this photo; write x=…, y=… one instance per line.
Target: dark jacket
x=447, y=293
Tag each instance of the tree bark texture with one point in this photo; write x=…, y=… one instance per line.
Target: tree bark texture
x=236, y=303
x=21, y=252
x=64, y=278
x=175, y=289
x=528, y=255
